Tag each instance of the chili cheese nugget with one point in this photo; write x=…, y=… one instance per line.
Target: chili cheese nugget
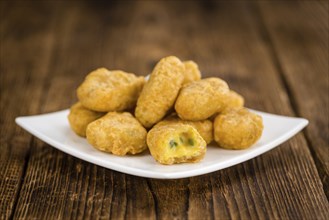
x=204, y=127
x=177, y=143
x=117, y=133
x=237, y=128
x=201, y=99
x=104, y=90
x=160, y=92
x=79, y=117
x=192, y=72
x=234, y=100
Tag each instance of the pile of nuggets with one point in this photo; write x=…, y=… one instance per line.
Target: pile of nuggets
x=174, y=113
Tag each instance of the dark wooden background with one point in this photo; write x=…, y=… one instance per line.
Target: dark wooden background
x=273, y=52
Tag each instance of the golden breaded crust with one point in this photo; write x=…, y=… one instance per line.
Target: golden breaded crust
x=201, y=99
x=204, y=127
x=237, y=129
x=192, y=72
x=79, y=117
x=117, y=133
x=160, y=92
x=104, y=90
x=179, y=143
x=233, y=100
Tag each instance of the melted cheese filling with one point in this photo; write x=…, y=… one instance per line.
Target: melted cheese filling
x=182, y=144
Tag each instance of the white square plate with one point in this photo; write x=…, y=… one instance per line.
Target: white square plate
x=53, y=128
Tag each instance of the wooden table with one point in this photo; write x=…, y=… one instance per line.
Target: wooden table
x=274, y=53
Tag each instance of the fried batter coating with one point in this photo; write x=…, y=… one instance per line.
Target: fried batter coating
x=160, y=92
x=115, y=90
x=176, y=143
x=237, y=129
x=201, y=99
x=117, y=133
x=204, y=127
x=79, y=117
x=233, y=100
x=192, y=72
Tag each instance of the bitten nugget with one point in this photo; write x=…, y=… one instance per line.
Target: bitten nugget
x=192, y=72
x=237, y=129
x=104, y=90
x=160, y=92
x=233, y=100
x=80, y=117
x=117, y=133
x=171, y=144
x=204, y=127
x=201, y=99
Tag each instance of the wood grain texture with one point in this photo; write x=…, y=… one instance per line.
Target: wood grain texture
x=73, y=188
x=26, y=44
x=303, y=53
x=243, y=59
x=225, y=39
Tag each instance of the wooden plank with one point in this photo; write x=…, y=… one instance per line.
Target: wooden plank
x=227, y=42
x=224, y=38
x=303, y=53
x=58, y=185
x=25, y=52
